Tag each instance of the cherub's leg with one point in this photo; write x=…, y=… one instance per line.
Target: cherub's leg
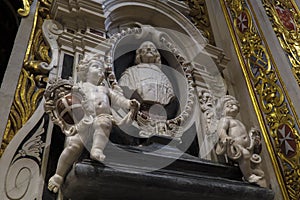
x=245, y=166
x=69, y=155
x=102, y=126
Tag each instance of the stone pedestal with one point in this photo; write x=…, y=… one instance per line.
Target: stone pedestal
x=185, y=178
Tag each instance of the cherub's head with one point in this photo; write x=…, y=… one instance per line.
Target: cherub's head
x=206, y=98
x=229, y=105
x=147, y=53
x=91, y=70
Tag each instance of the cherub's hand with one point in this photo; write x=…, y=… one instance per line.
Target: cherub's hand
x=75, y=88
x=134, y=107
x=71, y=131
x=227, y=140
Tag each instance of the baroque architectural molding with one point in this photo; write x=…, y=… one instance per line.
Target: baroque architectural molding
x=22, y=162
x=33, y=78
x=268, y=94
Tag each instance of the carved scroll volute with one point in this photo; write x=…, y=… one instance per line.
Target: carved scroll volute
x=51, y=31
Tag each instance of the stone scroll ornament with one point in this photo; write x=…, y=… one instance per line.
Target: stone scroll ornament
x=237, y=144
x=83, y=111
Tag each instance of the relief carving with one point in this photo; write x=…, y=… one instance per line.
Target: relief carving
x=237, y=144
x=81, y=107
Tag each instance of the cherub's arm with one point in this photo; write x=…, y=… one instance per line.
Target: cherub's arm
x=119, y=100
x=222, y=129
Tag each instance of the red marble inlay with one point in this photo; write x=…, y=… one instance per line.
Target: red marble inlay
x=286, y=18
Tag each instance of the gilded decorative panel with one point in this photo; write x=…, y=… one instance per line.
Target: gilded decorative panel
x=272, y=105
x=284, y=16
x=33, y=76
x=199, y=17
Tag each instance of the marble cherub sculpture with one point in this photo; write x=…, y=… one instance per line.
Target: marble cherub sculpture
x=237, y=143
x=97, y=116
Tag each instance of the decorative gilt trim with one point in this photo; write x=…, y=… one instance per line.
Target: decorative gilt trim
x=24, y=12
x=32, y=80
x=271, y=102
x=199, y=17
x=285, y=21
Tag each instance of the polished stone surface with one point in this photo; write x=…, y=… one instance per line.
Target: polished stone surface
x=185, y=178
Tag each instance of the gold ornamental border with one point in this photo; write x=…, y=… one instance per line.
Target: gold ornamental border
x=271, y=102
x=287, y=30
x=199, y=17
x=32, y=79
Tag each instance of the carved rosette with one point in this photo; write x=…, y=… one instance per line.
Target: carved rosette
x=276, y=110
x=172, y=127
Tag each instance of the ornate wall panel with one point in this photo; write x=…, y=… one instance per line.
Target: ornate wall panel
x=199, y=17
x=33, y=77
x=284, y=16
x=272, y=105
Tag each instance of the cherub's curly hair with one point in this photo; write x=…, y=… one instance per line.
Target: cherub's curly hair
x=88, y=61
x=223, y=100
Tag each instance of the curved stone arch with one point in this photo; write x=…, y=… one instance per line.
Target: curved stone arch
x=174, y=126
x=145, y=12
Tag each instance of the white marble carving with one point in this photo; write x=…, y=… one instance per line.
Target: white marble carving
x=164, y=127
x=21, y=162
x=146, y=77
x=34, y=146
x=237, y=143
x=51, y=31
x=151, y=85
x=208, y=107
x=79, y=107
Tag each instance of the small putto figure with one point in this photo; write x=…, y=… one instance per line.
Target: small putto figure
x=96, y=105
x=237, y=144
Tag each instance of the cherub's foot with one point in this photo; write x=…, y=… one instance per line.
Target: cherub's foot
x=97, y=154
x=55, y=183
x=254, y=178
